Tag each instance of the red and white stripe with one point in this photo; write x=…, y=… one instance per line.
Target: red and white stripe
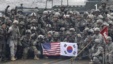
x=54, y=51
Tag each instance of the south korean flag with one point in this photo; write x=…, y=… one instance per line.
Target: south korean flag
x=68, y=49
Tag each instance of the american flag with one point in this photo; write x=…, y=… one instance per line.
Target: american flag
x=51, y=49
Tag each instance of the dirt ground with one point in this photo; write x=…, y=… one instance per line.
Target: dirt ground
x=46, y=61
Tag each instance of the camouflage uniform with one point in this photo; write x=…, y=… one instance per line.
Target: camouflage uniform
x=96, y=52
x=109, y=51
x=3, y=42
x=29, y=44
x=13, y=39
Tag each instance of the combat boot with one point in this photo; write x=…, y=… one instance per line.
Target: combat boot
x=91, y=62
x=24, y=56
x=13, y=58
x=36, y=58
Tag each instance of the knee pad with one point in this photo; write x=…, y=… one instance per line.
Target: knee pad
x=96, y=60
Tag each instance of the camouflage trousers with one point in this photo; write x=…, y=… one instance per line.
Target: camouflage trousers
x=97, y=60
x=109, y=58
x=13, y=47
x=26, y=49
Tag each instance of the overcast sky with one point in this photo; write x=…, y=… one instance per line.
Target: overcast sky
x=39, y=3
x=74, y=2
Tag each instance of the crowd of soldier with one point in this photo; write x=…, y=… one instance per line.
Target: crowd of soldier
x=21, y=33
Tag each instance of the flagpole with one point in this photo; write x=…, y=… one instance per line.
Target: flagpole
x=46, y=4
x=104, y=33
x=61, y=2
x=52, y=3
x=71, y=61
x=67, y=2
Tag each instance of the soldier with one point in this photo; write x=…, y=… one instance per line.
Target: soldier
x=72, y=36
x=56, y=23
x=6, y=11
x=48, y=27
x=109, y=51
x=8, y=23
x=97, y=35
x=41, y=39
x=3, y=41
x=34, y=22
x=62, y=9
x=33, y=15
x=56, y=37
x=44, y=19
x=99, y=23
x=19, y=46
x=29, y=44
x=14, y=35
x=79, y=24
x=22, y=28
x=89, y=21
x=110, y=30
x=87, y=40
x=96, y=52
x=62, y=33
x=104, y=8
x=21, y=18
x=69, y=21
x=49, y=36
x=41, y=30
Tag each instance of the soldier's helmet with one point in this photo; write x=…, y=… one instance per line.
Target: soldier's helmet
x=41, y=37
x=15, y=22
x=48, y=25
x=86, y=29
x=33, y=28
x=56, y=34
x=72, y=29
x=100, y=17
x=105, y=24
x=55, y=16
x=50, y=32
x=97, y=29
x=68, y=33
x=70, y=12
x=45, y=12
x=28, y=31
x=110, y=22
x=86, y=12
x=91, y=30
x=109, y=38
x=62, y=28
x=97, y=41
x=67, y=16
x=103, y=2
x=99, y=21
x=79, y=35
x=90, y=16
x=57, y=13
x=33, y=14
x=34, y=21
x=22, y=23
